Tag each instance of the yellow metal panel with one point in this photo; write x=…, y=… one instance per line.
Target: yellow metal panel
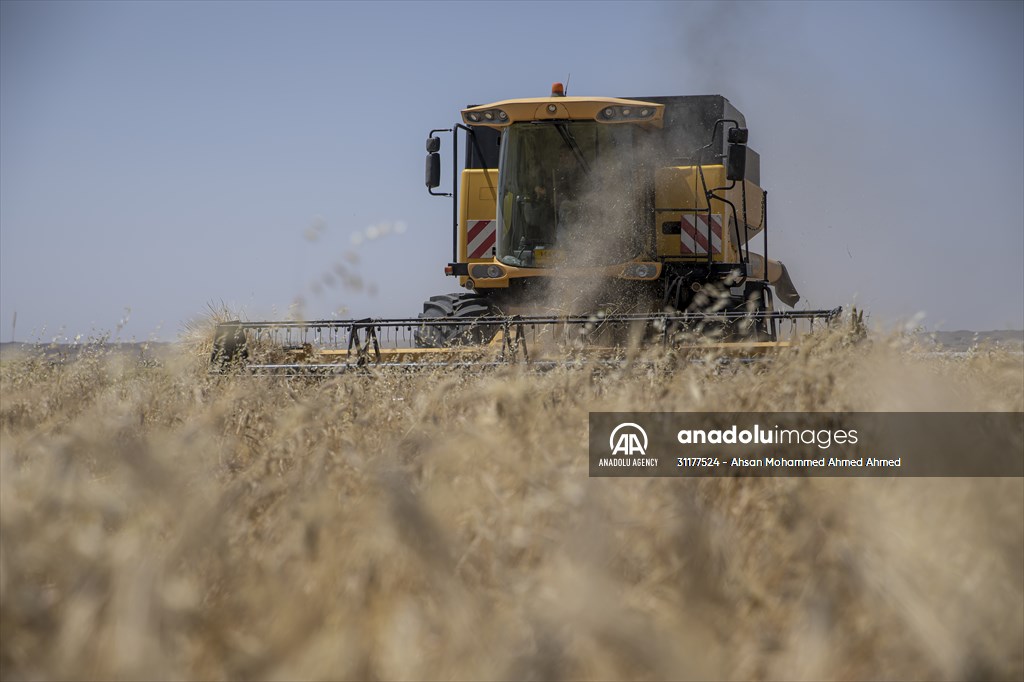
x=680, y=187
x=478, y=199
x=679, y=190
x=510, y=273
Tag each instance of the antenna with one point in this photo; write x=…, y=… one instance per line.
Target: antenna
x=567, y=84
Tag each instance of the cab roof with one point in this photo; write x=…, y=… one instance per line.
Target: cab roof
x=557, y=108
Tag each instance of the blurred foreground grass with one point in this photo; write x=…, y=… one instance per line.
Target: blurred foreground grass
x=160, y=523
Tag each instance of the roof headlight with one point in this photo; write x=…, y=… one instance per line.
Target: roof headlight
x=473, y=116
x=626, y=112
x=489, y=115
x=502, y=115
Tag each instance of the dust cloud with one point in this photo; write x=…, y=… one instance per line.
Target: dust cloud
x=870, y=122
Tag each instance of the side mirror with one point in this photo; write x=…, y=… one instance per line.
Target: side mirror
x=738, y=135
x=433, y=145
x=433, y=171
x=736, y=163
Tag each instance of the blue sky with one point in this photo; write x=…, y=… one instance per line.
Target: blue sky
x=159, y=157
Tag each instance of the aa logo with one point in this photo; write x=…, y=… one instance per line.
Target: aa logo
x=628, y=439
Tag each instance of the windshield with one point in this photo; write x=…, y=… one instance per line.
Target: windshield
x=569, y=194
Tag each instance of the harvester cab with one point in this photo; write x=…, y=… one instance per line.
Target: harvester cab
x=662, y=193
x=573, y=216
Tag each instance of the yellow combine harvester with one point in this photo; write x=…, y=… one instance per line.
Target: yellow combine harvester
x=583, y=222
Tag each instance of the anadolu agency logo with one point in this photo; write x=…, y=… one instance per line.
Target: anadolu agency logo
x=628, y=439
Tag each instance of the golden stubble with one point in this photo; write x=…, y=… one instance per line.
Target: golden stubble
x=157, y=522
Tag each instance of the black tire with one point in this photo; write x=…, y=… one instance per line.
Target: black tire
x=463, y=308
x=229, y=346
x=716, y=297
x=756, y=299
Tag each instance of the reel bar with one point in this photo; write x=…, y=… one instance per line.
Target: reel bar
x=414, y=322
x=336, y=345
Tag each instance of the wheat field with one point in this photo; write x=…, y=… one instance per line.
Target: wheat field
x=158, y=522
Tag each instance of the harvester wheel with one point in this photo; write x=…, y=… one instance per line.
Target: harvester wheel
x=463, y=308
x=756, y=299
x=229, y=346
x=715, y=297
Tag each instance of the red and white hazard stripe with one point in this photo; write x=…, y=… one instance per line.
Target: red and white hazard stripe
x=693, y=234
x=480, y=238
